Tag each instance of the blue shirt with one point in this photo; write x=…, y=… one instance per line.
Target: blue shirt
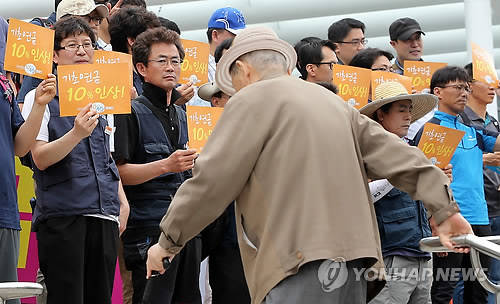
x=10, y=121
x=467, y=161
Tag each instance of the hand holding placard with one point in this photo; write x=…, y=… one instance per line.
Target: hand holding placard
x=85, y=122
x=46, y=90
x=201, y=122
x=439, y=143
x=29, y=49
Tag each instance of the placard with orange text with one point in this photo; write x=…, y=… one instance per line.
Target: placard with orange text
x=194, y=68
x=29, y=50
x=201, y=122
x=379, y=77
x=483, y=66
x=421, y=73
x=110, y=57
x=439, y=143
x=353, y=84
x=106, y=86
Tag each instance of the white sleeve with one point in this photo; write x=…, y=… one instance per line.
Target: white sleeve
x=29, y=99
x=379, y=189
x=111, y=123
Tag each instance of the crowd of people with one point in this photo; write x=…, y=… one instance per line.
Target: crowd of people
x=292, y=184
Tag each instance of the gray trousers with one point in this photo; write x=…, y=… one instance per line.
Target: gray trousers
x=9, y=254
x=409, y=281
x=321, y=282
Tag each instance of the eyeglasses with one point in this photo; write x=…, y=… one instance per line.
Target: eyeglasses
x=163, y=62
x=384, y=69
x=94, y=19
x=330, y=64
x=459, y=87
x=355, y=41
x=74, y=47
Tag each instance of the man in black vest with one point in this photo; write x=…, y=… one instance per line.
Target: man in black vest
x=153, y=162
x=80, y=201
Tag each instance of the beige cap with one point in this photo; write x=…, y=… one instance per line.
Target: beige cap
x=248, y=40
x=80, y=8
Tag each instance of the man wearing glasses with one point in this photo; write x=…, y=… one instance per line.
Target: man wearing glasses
x=451, y=86
x=153, y=162
x=315, y=60
x=349, y=36
x=406, y=39
x=80, y=203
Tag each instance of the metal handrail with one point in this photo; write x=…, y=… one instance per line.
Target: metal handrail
x=489, y=245
x=18, y=290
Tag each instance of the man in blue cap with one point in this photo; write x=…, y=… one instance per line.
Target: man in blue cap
x=224, y=23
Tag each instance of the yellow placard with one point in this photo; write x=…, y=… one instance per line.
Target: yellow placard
x=353, y=84
x=421, y=73
x=439, y=143
x=29, y=50
x=483, y=66
x=194, y=68
x=379, y=77
x=110, y=57
x=201, y=121
x=106, y=86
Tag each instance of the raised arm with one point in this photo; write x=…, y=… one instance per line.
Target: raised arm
x=26, y=135
x=46, y=154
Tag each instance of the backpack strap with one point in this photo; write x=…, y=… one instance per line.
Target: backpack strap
x=8, y=93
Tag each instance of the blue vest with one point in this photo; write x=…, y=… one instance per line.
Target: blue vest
x=402, y=222
x=149, y=201
x=83, y=182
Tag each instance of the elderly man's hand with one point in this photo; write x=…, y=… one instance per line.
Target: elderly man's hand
x=156, y=254
x=455, y=225
x=491, y=159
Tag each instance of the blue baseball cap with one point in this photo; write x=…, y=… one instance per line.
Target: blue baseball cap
x=227, y=18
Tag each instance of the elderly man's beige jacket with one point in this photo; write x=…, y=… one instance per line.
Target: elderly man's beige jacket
x=296, y=158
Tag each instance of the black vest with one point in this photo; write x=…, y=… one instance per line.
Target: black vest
x=149, y=201
x=83, y=182
x=402, y=222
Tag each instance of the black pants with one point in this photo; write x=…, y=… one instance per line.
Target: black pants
x=445, y=281
x=227, y=278
x=179, y=284
x=77, y=256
